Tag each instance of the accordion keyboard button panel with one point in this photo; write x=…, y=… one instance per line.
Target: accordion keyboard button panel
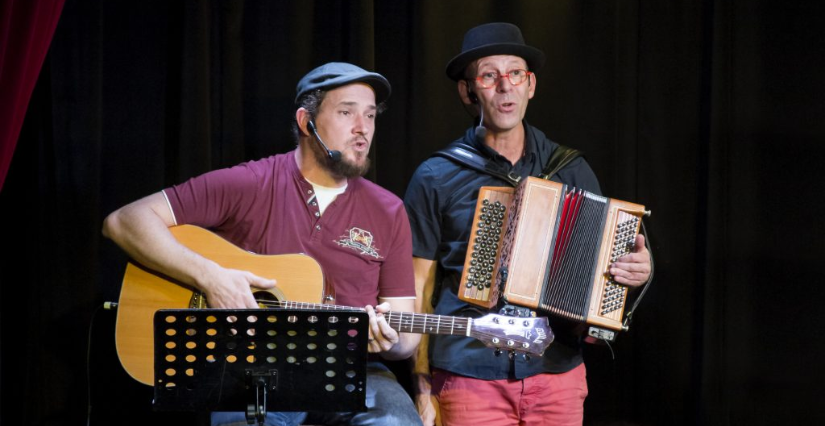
x=614, y=294
x=484, y=249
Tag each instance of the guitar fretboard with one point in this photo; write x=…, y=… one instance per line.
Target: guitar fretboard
x=427, y=323
x=405, y=322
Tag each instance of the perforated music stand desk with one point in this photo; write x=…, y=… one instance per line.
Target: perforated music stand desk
x=259, y=360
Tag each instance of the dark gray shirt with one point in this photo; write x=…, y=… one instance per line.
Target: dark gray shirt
x=440, y=202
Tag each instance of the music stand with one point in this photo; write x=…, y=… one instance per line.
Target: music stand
x=259, y=360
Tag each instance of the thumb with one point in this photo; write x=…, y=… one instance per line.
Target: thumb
x=639, y=244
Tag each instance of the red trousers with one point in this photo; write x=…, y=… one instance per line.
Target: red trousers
x=545, y=399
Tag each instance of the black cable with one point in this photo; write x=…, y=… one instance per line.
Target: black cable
x=107, y=306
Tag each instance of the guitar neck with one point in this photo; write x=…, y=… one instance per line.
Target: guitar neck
x=405, y=322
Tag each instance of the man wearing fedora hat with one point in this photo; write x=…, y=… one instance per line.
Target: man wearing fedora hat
x=471, y=384
x=311, y=200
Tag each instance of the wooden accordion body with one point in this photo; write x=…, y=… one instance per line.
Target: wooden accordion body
x=547, y=247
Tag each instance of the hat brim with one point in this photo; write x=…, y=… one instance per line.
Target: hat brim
x=376, y=81
x=533, y=57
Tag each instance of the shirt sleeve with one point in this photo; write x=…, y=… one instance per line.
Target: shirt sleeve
x=421, y=201
x=396, y=278
x=214, y=198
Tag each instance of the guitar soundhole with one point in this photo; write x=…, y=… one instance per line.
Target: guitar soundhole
x=266, y=299
x=264, y=296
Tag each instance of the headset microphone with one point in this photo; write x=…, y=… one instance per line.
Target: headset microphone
x=481, y=131
x=333, y=155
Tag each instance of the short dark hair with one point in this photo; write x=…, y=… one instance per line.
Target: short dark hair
x=310, y=101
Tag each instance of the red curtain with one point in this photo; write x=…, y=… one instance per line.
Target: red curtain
x=26, y=29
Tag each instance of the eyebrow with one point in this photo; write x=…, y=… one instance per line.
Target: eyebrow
x=352, y=103
x=509, y=64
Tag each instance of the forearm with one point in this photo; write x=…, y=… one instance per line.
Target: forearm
x=141, y=230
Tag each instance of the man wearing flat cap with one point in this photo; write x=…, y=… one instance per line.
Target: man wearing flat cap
x=312, y=200
x=471, y=384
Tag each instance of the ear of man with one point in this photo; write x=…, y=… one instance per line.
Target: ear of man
x=466, y=93
x=302, y=117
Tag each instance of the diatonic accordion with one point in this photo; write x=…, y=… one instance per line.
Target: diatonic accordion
x=546, y=246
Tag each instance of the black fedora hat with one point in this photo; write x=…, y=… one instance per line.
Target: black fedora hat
x=497, y=38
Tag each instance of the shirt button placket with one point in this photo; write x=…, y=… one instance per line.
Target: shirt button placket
x=317, y=213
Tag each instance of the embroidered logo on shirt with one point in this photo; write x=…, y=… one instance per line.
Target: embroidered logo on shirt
x=360, y=240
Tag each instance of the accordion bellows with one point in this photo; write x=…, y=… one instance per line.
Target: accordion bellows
x=546, y=246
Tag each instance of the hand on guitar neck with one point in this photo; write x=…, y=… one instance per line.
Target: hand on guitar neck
x=383, y=338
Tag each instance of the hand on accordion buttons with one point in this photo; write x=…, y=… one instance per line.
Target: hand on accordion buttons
x=632, y=269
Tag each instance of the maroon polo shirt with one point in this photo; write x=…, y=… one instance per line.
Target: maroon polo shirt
x=362, y=241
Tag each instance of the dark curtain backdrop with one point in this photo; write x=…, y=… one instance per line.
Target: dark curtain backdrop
x=708, y=112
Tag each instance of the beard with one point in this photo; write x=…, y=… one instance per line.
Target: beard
x=343, y=167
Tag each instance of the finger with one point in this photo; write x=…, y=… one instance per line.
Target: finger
x=383, y=308
x=386, y=331
x=629, y=278
x=373, y=345
x=386, y=337
x=260, y=282
x=250, y=302
x=632, y=267
x=634, y=257
x=383, y=337
x=632, y=280
x=373, y=322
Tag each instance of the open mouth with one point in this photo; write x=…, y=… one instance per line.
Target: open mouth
x=507, y=106
x=360, y=145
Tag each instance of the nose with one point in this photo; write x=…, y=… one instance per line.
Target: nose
x=504, y=84
x=359, y=125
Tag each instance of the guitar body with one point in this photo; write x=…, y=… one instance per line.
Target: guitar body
x=144, y=292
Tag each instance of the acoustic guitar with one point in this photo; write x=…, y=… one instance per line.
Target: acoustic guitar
x=300, y=285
